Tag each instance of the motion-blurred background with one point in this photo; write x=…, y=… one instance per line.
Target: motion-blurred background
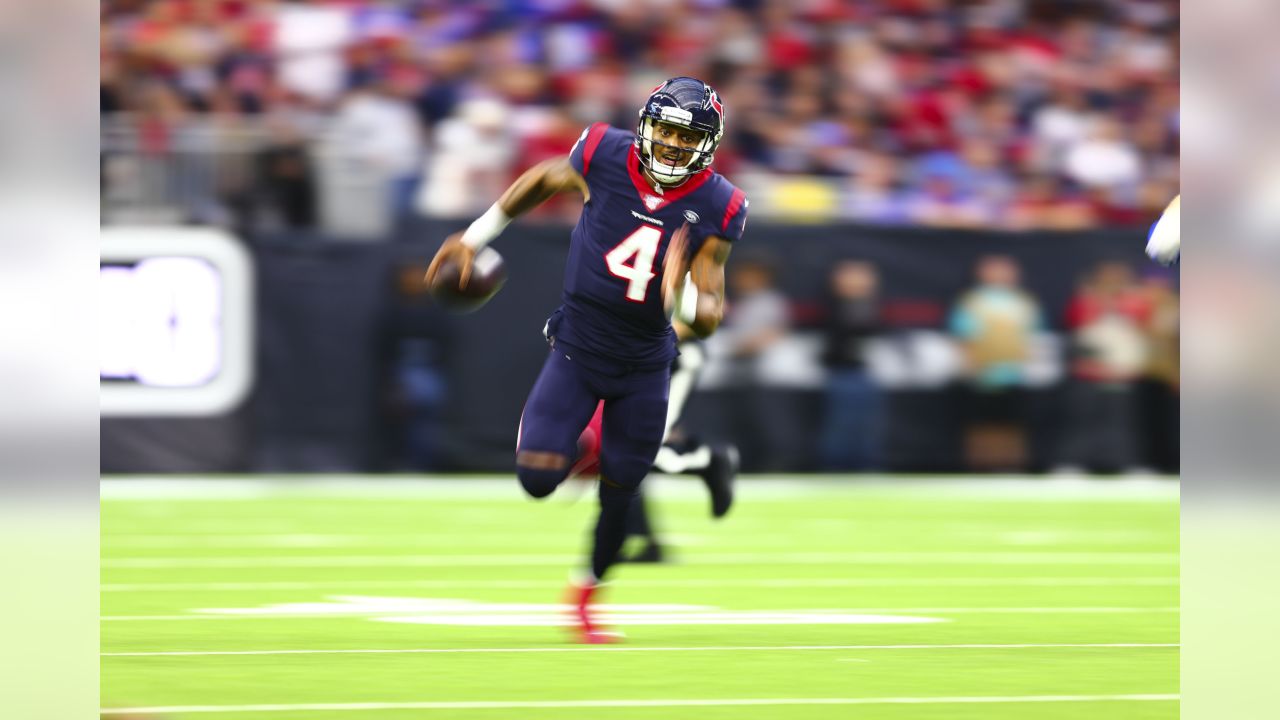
x=943, y=269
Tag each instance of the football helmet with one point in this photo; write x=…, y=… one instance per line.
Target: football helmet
x=686, y=102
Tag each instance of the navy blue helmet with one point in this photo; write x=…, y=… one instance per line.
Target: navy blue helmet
x=686, y=102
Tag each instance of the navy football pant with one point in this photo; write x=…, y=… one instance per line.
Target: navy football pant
x=561, y=404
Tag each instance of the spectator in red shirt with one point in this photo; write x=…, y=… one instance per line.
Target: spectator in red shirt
x=1107, y=319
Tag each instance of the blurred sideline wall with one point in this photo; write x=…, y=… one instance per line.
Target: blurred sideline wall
x=358, y=371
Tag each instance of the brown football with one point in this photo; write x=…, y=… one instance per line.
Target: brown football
x=488, y=273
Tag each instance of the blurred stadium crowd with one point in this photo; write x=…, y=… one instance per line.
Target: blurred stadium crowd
x=1015, y=114
x=851, y=373
x=1100, y=383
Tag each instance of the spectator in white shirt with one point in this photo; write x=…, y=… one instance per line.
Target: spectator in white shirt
x=378, y=128
x=1106, y=159
x=471, y=161
x=1059, y=125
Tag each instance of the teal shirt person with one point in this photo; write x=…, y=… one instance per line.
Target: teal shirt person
x=996, y=325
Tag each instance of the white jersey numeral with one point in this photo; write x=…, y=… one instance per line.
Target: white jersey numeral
x=632, y=260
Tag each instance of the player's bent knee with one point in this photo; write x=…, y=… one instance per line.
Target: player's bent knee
x=539, y=483
x=623, y=476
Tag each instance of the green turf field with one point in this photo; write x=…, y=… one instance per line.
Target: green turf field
x=898, y=600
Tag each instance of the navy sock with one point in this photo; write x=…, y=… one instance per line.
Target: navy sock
x=638, y=519
x=611, y=527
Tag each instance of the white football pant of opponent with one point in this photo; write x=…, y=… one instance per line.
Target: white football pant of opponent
x=692, y=357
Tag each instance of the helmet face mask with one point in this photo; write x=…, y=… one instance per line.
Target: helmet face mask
x=655, y=152
x=683, y=103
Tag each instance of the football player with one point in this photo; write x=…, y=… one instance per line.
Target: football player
x=655, y=232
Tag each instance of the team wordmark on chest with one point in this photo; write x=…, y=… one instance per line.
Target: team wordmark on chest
x=646, y=218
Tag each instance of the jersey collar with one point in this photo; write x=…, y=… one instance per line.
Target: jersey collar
x=654, y=201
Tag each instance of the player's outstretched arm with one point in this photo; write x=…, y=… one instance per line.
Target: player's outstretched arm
x=539, y=184
x=534, y=187
x=707, y=274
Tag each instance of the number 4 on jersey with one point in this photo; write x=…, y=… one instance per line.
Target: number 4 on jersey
x=632, y=260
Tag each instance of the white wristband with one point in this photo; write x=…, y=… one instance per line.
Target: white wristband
x=687, y=301
x=485, y=228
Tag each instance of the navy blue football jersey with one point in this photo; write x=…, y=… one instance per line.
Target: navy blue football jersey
x=612, y=301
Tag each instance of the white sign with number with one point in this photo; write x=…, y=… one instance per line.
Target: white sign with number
x=175, y=331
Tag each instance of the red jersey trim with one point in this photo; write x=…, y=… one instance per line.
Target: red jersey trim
x=735, y=204
x=668, y=195
x=594, y=136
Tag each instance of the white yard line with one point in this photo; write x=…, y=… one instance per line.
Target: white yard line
x=504, y=488
x=763, y=558
x=800, y=534
x=976, y=582
x=816, y=612
x=591, y=704
x=626, y=648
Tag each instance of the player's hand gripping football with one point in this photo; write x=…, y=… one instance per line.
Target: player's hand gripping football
x=453, y=249
x=674, y=267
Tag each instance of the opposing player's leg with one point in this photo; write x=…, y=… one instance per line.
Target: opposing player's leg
x=559, y=407
x=716, y=465
x=632, y=434
x=684, y=375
